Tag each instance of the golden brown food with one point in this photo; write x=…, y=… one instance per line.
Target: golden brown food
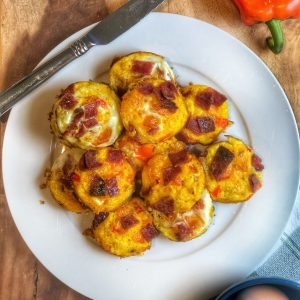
x=153, y=111
x=60, y=182
x=139, y=154
x=126, y=231
x=86, y=115
x=104, y=179
x=187, y=225
x=233, y=171
x=173, y=182
x=133, y=67
x=208, y=115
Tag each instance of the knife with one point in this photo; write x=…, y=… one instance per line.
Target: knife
x=102, y=34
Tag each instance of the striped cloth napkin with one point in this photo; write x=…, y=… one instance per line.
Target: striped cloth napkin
x=285, y=260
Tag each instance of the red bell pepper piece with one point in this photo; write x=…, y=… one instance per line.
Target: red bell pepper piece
x=271, y=12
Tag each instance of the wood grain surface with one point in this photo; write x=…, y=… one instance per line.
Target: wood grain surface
x=31, y=28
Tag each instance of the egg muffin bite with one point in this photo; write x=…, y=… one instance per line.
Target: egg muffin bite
x=153, y=111
x=139, y=154
x=173, y=182
x=60, y=182
x=233, y=171
x=133, y=67
x=104, y=179
x=86, y=115
x=126, y=231
x=185, y=226
x=208, y=115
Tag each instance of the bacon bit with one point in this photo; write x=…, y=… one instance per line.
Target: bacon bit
x=67, y=182
x=142, y=67
x=221, y=122
x=78, y=114
x=182, y=232
x=220, y=163
x=178, y=158
x=128, y=221
x=186, y=93
x=81, y=131
x=164, y=102
x=146, y=88
x=90, y=110
x=97, y=187
x=75, y=177
x=90, y=160
x=90, y=123
x=112, y=186
x=254, y=183
x=169, y=105
x=203, y=100
x=67, y=101
x=257, y=163
x=200, y=125
x=215, y=193
x=168, y=90
x=104, y=137
x=192, y=125
x=149, y=232
x=70, y=89
x=217, y=98
x=181, y=136
x=206, y=124
x=170, y=173
x=144, y=152
x=114, y=156
x=98, y=219
x=209, y=97
x=152, y=124
x=166, y=206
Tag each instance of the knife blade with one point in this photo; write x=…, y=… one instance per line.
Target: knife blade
x=120, y=21
x=103, y=33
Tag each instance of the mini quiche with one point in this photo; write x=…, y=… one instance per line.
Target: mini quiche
x=60, y=181
x=86, y=115
x=153, y=111
x=185, y=226
x=208, y=115
x=133, y=67
x=233, y=171
x=173, y=182
x=104, y=179
x=139, y=154
x=127, y=231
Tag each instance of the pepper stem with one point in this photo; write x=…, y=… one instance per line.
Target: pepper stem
x=275, y=43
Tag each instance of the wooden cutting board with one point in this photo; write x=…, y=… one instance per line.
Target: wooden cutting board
x=31, y=28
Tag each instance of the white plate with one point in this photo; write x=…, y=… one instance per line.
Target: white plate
x=241, y=235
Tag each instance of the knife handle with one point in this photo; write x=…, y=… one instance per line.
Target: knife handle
x=17, y=91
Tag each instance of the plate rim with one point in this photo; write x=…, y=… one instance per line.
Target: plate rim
x=61, y=45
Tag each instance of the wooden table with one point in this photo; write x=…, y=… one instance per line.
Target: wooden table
x=31, y=28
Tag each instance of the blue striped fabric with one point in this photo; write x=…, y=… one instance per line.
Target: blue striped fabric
x=285, y=260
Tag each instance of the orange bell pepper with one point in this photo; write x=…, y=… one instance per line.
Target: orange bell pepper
x=271, y=12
